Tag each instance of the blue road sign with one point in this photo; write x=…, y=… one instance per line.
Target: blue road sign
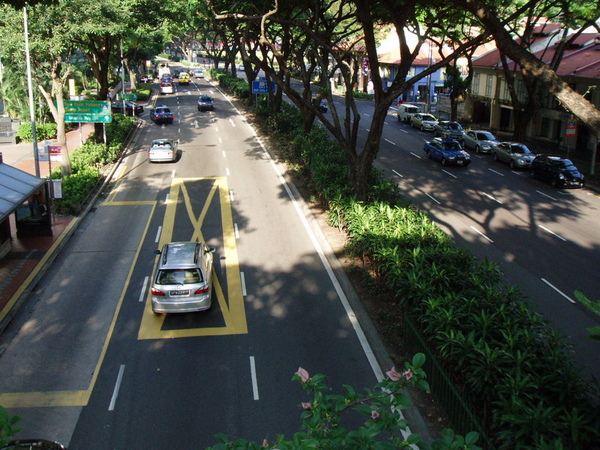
x=261, y=87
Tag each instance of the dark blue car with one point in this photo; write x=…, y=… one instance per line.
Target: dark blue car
x=447, y=151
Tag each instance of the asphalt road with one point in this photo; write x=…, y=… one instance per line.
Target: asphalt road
x=92, y=367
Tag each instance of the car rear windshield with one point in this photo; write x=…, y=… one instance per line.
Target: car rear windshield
x=179, y=276
x=163, y=110
x=452, y=145
x=205, y=99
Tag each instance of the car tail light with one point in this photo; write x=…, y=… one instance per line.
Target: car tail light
x=204, y=290
x=157, y=292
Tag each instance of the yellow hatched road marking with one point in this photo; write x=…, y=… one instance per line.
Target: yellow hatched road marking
x=232, y=308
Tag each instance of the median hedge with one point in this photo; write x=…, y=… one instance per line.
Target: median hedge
x=508, y=363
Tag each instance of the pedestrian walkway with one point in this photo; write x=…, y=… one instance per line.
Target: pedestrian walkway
x=22, y=267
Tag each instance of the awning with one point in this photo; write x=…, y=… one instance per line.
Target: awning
x=16, y=187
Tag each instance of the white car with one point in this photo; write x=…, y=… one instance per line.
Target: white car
x=166, y=88
x=423, y=121
x=162, y=150
x=479, y=140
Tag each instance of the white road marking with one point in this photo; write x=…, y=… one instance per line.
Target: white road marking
x=397, y=173
x=496, y=172
x=223, y=152
x=254, y=380
x=414, y=154
x=558, y=290
x=231, y=122
x=167, y=199
x=144, y=286
x=243, y=282
x=490, y=197
x=432, y=198
x=173, y=173
x=546, y=195
x=481, y=234
x=113, y=400
x=449, y=173
x=552, y=233
x=387, y=140
x=227, y=171
x=231, y=195
x=158, y=232
x=236, y=231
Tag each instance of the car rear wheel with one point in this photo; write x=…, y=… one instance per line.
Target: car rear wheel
x=477, y=149
x=495, y=157
x=511, y=164
x=555, y=182
x=532, y=173
x=422, y=128
x=444, y=162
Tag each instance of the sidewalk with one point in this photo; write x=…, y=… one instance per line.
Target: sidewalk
x=22, y=267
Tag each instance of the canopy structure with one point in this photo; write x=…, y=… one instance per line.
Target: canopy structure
x=16, y=187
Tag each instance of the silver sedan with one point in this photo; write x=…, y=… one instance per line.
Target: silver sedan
x=517, y=155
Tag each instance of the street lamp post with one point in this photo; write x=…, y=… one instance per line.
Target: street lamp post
x=36, y=155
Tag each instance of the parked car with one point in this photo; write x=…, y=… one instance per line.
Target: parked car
x=183, y=278
x=199, y=73
x=161, y=114
x=162, y=150
x=406, y=111
x=517, y=155
x=449, y=130
x=480, y=141
x=32, y=444
x=447, y=151
x=423, y=121
x=206, y=103
x=145, y=79
x=166, y=88
x=184, y=78
x=559, y=172
x=130, y=107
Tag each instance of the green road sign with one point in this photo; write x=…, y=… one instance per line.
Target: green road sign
x=132, y=97
x=87, y=111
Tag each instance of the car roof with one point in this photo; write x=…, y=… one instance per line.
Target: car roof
x=180, y=254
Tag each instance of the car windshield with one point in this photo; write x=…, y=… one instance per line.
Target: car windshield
x=453, y=126
x=486, y=136
x=205, y=99
x=564, y=164
x=179, y=276
x=427, y=117
x=451, y=145
x=521, y=149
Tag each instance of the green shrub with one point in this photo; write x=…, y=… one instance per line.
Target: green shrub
x=143, y=91
x=44, y=131
x=362, y=95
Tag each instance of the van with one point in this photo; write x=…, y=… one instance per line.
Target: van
x=406, y=111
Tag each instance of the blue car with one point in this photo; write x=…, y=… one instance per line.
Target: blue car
x=447, y=151
x=206, y=103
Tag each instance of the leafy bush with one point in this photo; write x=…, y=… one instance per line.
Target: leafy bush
x=44, y=131
x=362, y=95
x=143, y=91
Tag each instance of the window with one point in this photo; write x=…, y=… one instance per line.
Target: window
x=488, y=85
x=475, y=83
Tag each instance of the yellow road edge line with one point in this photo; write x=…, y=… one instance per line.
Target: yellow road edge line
x=130, y=203
x=36, y=269
x=76, y=398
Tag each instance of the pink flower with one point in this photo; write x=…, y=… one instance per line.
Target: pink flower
x=393, y=375
x=303, y=374
x=407, y=374
x=374, y=415
x=306, y=405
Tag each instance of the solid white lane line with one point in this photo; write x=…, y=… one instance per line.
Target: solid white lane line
x=113, y=400
x=546, y=195
x=158, y=232
x=432, y=198
x=388, y=141
x=243, y=281
x=552, y=233
x=144, y=286
x=449, y=173
x=254, y=379
x=558, y=290
x=490, y=197
x=496, y=172
x=481, y=234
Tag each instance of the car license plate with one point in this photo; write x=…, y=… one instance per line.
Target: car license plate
x=186, y=292
x=460, y=163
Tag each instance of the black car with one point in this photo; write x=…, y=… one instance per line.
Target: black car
x=131, y=108
x=560, y=172
x=161, y=114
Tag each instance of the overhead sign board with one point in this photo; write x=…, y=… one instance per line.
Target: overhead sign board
x=87, y=111
x=261, y=87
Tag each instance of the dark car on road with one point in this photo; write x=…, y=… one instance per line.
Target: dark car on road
x=130, y=107
x=447, y=151
x=449, y=130
x=206, y=103
x=161, y=114
x=559, y=172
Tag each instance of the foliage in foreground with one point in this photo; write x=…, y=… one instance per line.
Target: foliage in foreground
x=384, y=426
x=8, y=426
